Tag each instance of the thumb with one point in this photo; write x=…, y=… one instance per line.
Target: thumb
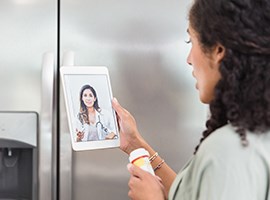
x=117, y=107
x=135, y=170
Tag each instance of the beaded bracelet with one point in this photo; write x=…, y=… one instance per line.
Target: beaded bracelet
x=153, y=157
x=159, y=165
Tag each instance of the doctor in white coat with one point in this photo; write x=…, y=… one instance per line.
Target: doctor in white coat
x=94, y=123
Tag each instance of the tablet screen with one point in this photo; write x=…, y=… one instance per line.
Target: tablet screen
x=88, y=95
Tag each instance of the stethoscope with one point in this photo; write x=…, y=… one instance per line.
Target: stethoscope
x=101, y=125
x=105, y=129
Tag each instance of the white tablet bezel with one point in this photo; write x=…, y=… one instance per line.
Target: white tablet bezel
x=86, y=75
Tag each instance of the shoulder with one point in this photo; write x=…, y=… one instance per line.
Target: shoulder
x=221, y=143
x=104, y=112
x=220, y=137
x=225, y=143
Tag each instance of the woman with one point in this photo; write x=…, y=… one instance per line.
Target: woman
x=95, y=123
x=230, y=56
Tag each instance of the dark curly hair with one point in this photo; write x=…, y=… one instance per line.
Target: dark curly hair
x=242, y=96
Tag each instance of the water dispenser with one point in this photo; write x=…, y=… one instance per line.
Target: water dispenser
x=18, y=155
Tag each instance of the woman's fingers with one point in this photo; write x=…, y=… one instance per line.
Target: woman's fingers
x=117, y=107
x=135, y=171
x=143, y=185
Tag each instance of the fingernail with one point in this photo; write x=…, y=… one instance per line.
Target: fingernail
x=115, y=100
x=129, y=166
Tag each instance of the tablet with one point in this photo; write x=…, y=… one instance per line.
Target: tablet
x=91, y=118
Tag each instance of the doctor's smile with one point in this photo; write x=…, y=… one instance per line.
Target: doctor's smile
x=88, y=98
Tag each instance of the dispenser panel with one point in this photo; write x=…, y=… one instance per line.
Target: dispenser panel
x=19, y=126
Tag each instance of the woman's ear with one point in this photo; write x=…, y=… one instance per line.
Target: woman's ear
x=218, y=53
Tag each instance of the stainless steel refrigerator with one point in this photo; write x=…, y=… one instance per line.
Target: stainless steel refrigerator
x=143, y=45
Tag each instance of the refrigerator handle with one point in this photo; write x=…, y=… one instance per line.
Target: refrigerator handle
x=66, y=159
x=47, y=132
x=68, y=58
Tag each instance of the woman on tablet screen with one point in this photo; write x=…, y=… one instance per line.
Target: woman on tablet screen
x=94, y=123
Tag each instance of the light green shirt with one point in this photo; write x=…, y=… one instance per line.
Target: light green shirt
x=223, y=169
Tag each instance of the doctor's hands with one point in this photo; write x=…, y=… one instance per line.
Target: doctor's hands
x=130, y=138
x=80, y=135
x=143, y=185
x=110, y=136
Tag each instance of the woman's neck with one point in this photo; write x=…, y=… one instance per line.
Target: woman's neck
x=92, y=115
x=91, y=110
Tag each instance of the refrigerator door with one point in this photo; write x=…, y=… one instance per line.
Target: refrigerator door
x=143, y=45
x=28, y=30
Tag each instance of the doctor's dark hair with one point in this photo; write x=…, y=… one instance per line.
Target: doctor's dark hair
x=83, y=114
x=242, y=96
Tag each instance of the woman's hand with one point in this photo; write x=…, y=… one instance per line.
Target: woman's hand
x=130, y=138
x=143, y=185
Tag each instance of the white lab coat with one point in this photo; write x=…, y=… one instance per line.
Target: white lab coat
x=104, y=124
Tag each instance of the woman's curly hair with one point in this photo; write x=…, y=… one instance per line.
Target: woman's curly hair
x=242, y=96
